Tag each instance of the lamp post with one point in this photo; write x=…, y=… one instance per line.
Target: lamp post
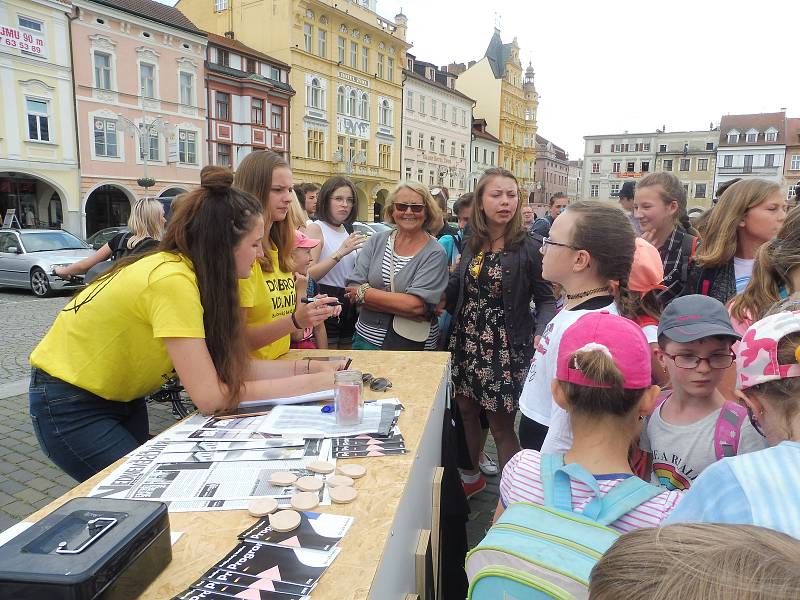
x=143, y=130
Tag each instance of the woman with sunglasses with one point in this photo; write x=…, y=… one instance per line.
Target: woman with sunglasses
x=759, y=488
x=399, y=276
x=489, y=296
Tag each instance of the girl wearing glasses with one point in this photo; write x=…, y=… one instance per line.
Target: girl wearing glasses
x=489, y=296
x=693, y=424
x=760, y=488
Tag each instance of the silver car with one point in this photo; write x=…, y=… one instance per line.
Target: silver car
x=28, y=257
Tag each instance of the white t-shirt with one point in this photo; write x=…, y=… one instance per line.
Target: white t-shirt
x=536, y=401
x=743, y=270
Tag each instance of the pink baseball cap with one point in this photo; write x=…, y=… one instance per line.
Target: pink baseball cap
x=647, y=271
x=301, y=240
x=757, y=357
x=620, y=338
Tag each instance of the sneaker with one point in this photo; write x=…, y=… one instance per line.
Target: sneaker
x=487, y=465
x=470, y=489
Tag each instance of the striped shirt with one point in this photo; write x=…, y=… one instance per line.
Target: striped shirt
x=375, y=335
x=760, y=488
x=522, y=482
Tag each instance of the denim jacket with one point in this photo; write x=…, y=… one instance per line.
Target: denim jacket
x=522, y=282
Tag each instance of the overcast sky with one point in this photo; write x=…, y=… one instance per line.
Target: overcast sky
x=615, y=65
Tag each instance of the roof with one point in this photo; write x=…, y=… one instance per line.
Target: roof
x=498, y=54
x=221, y=40
x=238, y=74
x=558, y=150
x=154, y=11
x=793, y=132
x=479, y=133
x=437, y=84
x=759, y=121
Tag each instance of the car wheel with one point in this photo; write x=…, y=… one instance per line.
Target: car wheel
x=40, y=284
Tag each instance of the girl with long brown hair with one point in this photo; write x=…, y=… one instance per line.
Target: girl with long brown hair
x=272, y=305
x=489, y=296
x=172, y=311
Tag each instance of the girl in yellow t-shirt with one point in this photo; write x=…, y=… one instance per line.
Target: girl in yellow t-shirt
x=272, y=307
x=175, y=310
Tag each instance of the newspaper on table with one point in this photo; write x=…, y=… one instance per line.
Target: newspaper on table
x=379, y=417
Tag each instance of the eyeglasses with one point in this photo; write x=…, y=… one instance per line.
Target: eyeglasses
x=754, y=422
x=549, y=242
x=342, y=200
x=715, y=361
x=379, y=384
x=403, y=207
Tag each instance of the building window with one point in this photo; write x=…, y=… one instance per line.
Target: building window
x=385, y=115
x=322, y=43
x=453, y=113
x=795, y=163
x=365, y=59
x=422, y=105
x=699, y=190
x=384, y=156
x=432, y=146
x=340, y=101
x=340, y=49
x=308, y=32
x=410, y=101
x=102, y=71
x=408, y=173
x=187, y=88
x=702, y=164
x=316, y=143
x=223, y=57
x=492, y=163
x=257, y=111
x=733, y=138
x=668, y=164
x=390, y=68
x=594, y=190
x=276, y=117
x=187, y=147
x=645, y=166
x=709, y=145
x=597, y=148
x=441, y=145
x=444, y=111
x=751, y=138
x=615, y=190
x=220, y=5
x=476, y=155
x=463, y=150
x=686, y=164
x=420, y=175
x=452, y=148
x=615, y=167
x=223, y=106
x=408, y=138
x=727, y=160
x=748, y=163
x=662, y=147
x=314, y=92
x=463, y=118
x=351, y=103
x=630, y=167
x=354, y=55
x=770, y=136
x=380, y=65
x=434, y=105
x=769, y=160
x=431, y=180
x=595, y=166
x=38, y=120
x=36, y=28
x=251, y=65
x=224, y=155
x=105, y=137
x=421, y=141
x=363, y=107
x=153, y=146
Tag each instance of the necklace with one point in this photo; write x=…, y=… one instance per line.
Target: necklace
x=493, y=241
x=587, y=293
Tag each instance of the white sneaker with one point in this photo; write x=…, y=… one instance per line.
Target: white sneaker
x=487, y=465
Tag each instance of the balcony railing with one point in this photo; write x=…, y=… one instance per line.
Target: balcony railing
x=746, y=169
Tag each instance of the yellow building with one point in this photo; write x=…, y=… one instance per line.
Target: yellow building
x=347, y=69
x=506, y=98
x=39, y=176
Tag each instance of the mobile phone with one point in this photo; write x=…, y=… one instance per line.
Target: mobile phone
x=305, y=300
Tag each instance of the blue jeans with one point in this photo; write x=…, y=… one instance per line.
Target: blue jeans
x=80, y=432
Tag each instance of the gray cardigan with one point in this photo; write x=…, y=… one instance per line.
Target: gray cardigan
x=425, y=275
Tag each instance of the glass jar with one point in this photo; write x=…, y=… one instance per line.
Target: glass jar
x=348, y=397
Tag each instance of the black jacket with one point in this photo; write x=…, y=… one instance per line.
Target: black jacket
x=522, y=282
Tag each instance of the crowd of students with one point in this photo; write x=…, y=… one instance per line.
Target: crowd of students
x=633, y=343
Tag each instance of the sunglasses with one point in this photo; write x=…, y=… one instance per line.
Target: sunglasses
x=403, y=207
x=379, y=384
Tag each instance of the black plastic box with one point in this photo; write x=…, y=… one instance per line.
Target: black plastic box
x=90, y=548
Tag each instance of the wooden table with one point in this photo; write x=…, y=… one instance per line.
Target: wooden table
x=393, y=505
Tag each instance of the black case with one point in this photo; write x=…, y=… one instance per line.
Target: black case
x=89, y=548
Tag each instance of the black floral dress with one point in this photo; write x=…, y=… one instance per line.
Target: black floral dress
x=485, y=367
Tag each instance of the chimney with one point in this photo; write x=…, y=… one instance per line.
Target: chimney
x=229, y=35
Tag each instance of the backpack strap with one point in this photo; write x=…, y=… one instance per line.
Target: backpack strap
x=555, y=495
x=624, y=497
x=122, y=246
x=728, y=429
x=662, y=397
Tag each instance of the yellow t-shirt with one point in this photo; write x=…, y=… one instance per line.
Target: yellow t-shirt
x=107, y=340
x=268, y=297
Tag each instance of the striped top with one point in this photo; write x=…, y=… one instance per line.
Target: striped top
x=760, y=488
x=522, y=482
x=375, y=335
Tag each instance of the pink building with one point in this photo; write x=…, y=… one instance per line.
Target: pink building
x=551, y=173
x=140, y=105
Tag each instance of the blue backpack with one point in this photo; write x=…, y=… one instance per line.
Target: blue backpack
x=538, y=552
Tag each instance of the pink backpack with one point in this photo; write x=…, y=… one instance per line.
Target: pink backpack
x=728, y=429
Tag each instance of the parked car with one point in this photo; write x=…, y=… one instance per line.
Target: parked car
x=369, y=228
x=99, y=238
x=28, y=257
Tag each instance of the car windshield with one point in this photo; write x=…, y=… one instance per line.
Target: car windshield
x=42, y=241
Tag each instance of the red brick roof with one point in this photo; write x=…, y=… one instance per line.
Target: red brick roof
x=793, y=132
x=760, y=121
x=238, y=46
x=155, y=11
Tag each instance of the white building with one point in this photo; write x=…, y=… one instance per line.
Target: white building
x=751, y=146
x=574, y=189
x=610, y=160
x=484, y=154
x=436, y=126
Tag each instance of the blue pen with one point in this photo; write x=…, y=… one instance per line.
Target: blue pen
x=328, y=408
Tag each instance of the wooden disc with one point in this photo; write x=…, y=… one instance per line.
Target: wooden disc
x=259, y=507
x=339, y=480
x=285, y=520
x=321, y=466
x=352, y=470
x=343, y=494
x=305, y=500
x=309, y=484
x=282, y=478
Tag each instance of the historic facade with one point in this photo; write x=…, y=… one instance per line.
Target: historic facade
x=346, y=65
x=551, y=171
x=791, y=172
x=751, y=146
x=692, y=157
x=485, y=150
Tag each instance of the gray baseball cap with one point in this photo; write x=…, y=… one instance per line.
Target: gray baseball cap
x=691, y=318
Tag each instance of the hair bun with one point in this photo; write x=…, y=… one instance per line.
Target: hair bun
x=216, y=179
